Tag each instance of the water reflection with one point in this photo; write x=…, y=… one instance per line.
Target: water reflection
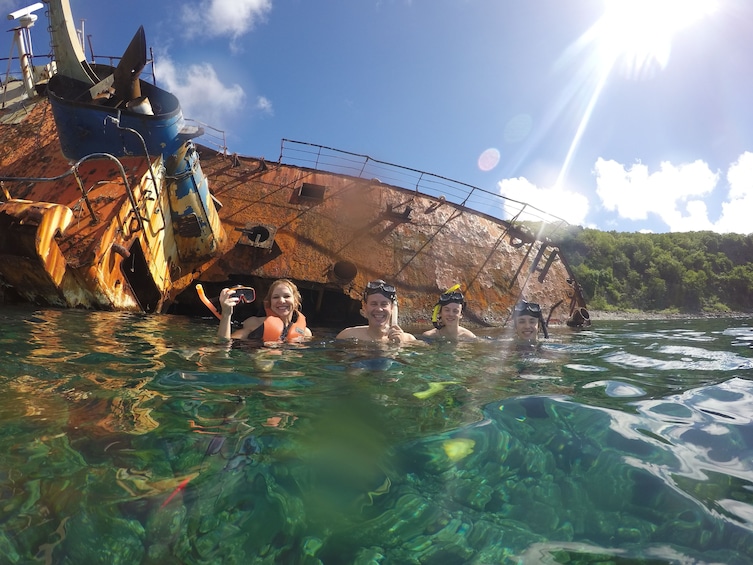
x=623, y=441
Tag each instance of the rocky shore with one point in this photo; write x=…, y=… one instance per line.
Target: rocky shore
x=632, y=315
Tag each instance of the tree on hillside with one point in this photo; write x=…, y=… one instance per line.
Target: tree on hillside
x=691, y=271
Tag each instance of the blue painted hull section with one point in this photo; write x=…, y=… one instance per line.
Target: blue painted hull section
x=84, y=127
x=199, y=234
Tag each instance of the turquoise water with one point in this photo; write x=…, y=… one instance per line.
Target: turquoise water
x=140, y=439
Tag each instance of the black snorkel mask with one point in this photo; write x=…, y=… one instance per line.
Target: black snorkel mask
x=380, y=287
x=451, y=295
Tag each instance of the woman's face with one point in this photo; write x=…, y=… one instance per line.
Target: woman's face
x=526, y=327
x=282, y=301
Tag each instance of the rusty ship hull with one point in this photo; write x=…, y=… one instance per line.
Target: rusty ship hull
x=98, y=234
x=333, y=232
x=327, y=231
x=120, y=229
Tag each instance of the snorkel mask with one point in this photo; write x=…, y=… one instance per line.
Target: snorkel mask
x=452, y=294
x=380, y=287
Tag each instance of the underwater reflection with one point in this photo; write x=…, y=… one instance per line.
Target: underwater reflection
x=620, y=443
x=636, y=485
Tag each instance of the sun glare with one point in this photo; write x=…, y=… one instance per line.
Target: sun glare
x=632, y=36
x=640, y=32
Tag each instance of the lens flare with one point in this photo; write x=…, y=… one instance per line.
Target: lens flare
x=489, y=159
x=636, y=34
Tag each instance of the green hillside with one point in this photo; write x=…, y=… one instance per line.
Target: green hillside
x=683, y=272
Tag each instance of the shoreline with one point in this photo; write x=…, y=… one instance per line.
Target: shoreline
x=597, y=315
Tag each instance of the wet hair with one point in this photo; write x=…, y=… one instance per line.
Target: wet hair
x=293, y=289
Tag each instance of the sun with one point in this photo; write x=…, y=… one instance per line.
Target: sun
x=639, y=33
x=632, y=36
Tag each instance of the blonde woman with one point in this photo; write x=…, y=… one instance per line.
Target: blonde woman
x=284, y=320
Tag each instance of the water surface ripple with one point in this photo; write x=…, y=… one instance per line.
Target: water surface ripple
x=134, y=439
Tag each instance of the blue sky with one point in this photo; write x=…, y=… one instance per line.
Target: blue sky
x=627, y=115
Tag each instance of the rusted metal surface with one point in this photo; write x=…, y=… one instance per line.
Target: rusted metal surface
x=111, y=238
x=307, y=225
x=102, y=237
x=31, y=258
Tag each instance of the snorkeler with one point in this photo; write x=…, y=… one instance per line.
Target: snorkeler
x=380, y=310
x=528, y=320
x=446, y=317
x=284, y=320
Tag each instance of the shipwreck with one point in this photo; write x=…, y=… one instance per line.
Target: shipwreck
x=112, y=199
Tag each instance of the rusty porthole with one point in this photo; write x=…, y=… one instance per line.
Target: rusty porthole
x=344, y=271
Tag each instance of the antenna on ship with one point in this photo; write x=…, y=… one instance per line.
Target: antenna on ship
x=22, y=40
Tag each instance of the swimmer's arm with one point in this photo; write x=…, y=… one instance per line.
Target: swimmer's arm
x=249, y=325
x=398, y=335
x=355, y=332
x=344, y=334
x=408, y=337
x=467, y=334
x=227, y=303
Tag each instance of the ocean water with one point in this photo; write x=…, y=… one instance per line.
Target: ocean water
x=135, y=439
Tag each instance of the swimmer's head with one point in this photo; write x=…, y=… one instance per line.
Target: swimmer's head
x=380, y=287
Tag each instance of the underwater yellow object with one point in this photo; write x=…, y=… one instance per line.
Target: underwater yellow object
x=459, y=448
x=140, y=484
x=433, y=389
x=384, y=488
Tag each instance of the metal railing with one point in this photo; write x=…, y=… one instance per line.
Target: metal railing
x=211, y=136
x=319, y=157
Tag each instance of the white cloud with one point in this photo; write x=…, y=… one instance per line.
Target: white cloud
x=736, y=211
x=674, y=193
x=202, y=95
x=231, y=18
x=264, y=105
x=570, y=206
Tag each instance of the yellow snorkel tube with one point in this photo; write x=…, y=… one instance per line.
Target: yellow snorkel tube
x=438, y=308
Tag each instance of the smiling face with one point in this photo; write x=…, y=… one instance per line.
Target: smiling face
x=451, y=313
x=526, y=327
x=282, y=300
x=377, y=309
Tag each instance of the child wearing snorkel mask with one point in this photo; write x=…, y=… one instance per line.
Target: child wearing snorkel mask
x=527, y=319
x=446, y=317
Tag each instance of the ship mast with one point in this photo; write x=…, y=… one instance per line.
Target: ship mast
x=69, y=56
